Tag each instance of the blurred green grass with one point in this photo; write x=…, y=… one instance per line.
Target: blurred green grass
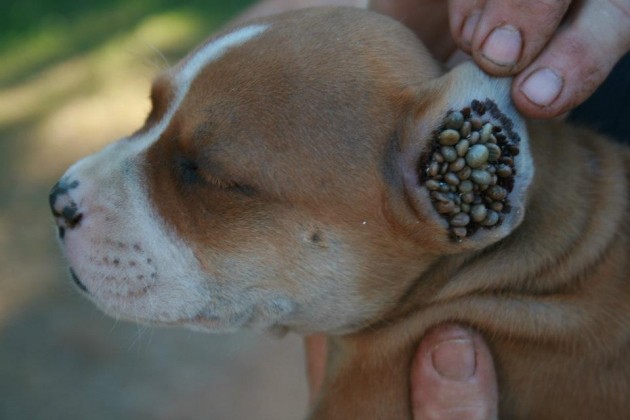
x=36, y=34
x=56, y=53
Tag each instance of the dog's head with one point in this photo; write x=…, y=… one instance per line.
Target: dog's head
x=283, y=179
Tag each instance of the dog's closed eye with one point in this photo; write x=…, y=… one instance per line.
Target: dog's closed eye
x=190, y=173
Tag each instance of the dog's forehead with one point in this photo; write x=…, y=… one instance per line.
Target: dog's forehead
x=308, y=67
x=319, y=87
x=331, y=53
x=214, y=49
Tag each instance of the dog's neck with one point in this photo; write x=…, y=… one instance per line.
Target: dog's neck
x=574, y=184
x=572, y=235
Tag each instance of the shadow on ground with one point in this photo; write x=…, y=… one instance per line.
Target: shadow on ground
x=73, y=77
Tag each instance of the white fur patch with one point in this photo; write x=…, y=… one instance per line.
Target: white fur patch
x=183, y=79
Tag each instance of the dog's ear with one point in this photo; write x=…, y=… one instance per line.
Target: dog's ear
x=464, y=156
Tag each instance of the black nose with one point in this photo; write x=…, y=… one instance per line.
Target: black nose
x=63, y=207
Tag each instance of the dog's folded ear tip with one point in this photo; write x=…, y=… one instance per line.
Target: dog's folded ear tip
x=468, y=167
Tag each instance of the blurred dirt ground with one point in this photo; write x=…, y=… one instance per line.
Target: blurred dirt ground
x=73, y=77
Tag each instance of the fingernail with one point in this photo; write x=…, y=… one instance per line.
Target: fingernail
x=542, y=87
x=454, y=358
x=468, y=29
x=503, y=46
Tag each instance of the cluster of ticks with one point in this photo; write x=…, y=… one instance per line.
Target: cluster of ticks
x=469, y=168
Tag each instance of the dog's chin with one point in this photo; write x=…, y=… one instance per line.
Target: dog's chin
x=269, y=317
x=206, y=323
x=216, y=326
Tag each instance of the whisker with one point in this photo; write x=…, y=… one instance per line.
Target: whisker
x=159, y=53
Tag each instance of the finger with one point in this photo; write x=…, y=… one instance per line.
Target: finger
x=316, y=347
x=511, y=33
x=453, y=376
x=463, y=19
x=576, y=61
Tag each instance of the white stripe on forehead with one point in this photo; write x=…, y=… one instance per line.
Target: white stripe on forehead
x=183, y=79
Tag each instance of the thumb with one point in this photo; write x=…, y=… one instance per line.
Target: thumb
x=576, y=61
x=453, y=376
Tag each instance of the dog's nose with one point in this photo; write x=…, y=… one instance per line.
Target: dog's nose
x=63, y=206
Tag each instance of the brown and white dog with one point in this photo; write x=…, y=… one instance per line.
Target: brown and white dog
x=275, y=186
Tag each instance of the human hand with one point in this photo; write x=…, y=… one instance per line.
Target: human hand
x=452, y=375
x=559, y=51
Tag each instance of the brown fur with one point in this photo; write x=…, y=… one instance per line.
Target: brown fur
x=552, y=299
x=301, y=141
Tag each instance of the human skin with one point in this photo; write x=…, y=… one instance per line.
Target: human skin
x=559, y=51
x=452, y=375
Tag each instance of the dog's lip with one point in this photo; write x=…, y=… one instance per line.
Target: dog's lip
x=78, y=282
